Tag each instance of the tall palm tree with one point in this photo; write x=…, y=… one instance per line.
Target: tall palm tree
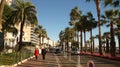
x=7, y=24
x=85, y=25
x=115, y=3
x=43, y=35
x=1, y=12
x=79, y=27
x=7, y=19
x=107, y=37
x=74, y=17
x=111, y=15
x=62, y=39
x=25, y=12
x=91, y=24
x=74, y=14
x=93, y=43
x=39, y=32
x=97, y=2
x=69, y=35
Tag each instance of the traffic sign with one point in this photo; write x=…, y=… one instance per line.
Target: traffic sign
x=90, y=63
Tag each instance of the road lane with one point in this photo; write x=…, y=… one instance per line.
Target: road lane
x=99, y=62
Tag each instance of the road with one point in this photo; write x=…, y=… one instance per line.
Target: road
x=72, y=61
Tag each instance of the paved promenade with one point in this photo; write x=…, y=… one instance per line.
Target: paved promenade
x=50, y=61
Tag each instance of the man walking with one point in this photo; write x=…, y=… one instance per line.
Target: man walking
x=43, y=53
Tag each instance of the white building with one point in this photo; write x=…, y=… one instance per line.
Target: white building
x=28, y=37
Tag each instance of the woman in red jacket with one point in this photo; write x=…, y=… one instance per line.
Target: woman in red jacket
x=36, y=53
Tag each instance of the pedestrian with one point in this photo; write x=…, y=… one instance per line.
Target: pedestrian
x=36, y=53
x=43, y=53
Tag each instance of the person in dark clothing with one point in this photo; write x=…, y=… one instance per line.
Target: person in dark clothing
x=43, y=53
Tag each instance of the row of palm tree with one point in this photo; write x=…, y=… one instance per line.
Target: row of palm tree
x=21, y=12
x=83, y=23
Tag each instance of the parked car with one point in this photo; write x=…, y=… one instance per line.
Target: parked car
x=75, y=51
x=58, y=51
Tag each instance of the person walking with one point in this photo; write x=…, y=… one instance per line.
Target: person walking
x=43, y=52
x=36, y=53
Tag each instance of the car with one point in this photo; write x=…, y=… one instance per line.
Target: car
x=57, y=51
x=75, y=51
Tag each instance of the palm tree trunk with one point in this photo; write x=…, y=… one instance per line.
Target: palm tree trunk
x=119, y=42
x=1, y=12
x=40, y=40
x=99, y=28
x=107, y=45
x=91, y=40
x=112, y=43
x=85, y=41
x=21, y=33
x=93, y=45
x=81, y=41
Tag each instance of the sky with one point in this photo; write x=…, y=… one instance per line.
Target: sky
x=54, y=16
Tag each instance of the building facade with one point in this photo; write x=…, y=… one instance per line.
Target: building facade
x=29, y=37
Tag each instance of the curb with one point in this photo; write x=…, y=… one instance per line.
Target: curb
x=14, y=65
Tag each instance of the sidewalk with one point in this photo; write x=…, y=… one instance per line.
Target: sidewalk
x=50, y=61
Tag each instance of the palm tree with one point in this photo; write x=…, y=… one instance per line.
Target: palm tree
x=107, y=37
x=79, y=27
x=62, y=38
x=115, y=3
x=69, y=35
x=39, y=32
x=7, y=19
x=74, y=17
x=85, y=25
x=93, y=43
x=43, y=35
x=74, y=14
x=7, y=24
x=1, y=12
x=25, y=12
x=97, y=2
x=91, y=24
x=111, y=15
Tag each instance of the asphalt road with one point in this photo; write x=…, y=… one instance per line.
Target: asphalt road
x=72, y=61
